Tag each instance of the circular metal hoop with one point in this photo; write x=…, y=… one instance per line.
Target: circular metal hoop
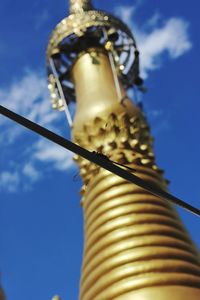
x=79, y=32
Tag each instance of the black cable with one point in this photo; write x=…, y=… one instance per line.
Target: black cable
x=114, y=162
x=97, y=159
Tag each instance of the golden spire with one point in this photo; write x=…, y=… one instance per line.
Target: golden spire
x=56, y=297
x=136, y=247
x=135, y=244
x=78, y=6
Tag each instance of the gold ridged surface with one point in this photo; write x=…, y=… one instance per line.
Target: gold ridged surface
x=133, y=240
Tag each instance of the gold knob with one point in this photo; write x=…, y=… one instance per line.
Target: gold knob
x=56, y=297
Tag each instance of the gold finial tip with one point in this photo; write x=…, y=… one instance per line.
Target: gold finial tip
x=56, y=297
x=78, y=6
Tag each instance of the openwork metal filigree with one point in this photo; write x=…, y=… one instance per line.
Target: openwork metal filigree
x=84, y=29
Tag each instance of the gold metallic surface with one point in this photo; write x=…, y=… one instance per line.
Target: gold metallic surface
x=136, y=247
x=165, y=293
x=103, y=31
x=97, y=89
x=56, y=297
x=78, y=6
x=57, y=102
x=79, y=23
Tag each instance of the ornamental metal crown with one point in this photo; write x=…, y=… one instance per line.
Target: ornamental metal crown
x=85, y=29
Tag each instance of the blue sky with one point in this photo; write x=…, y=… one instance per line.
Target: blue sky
x=41, y=227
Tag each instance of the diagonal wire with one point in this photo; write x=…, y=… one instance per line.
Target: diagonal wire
x=97, y=159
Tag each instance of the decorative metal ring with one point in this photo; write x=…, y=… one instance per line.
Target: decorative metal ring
x=65, y=46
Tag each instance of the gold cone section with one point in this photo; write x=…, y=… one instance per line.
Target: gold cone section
x=135, y=244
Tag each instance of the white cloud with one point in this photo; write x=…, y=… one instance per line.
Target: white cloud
x=29, y=97
x=171, y=38
x=126, y=13
x=46, y=151
x=41, y=19
x=30, y=171
x=153, y=40
x=9, y=181
x=153, y=21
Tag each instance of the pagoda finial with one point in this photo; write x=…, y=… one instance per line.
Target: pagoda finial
x=78, y=6
x=87, y=28
x=56, y=297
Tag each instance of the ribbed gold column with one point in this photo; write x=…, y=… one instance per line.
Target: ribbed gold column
x=135, y=244
x=133, y=240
